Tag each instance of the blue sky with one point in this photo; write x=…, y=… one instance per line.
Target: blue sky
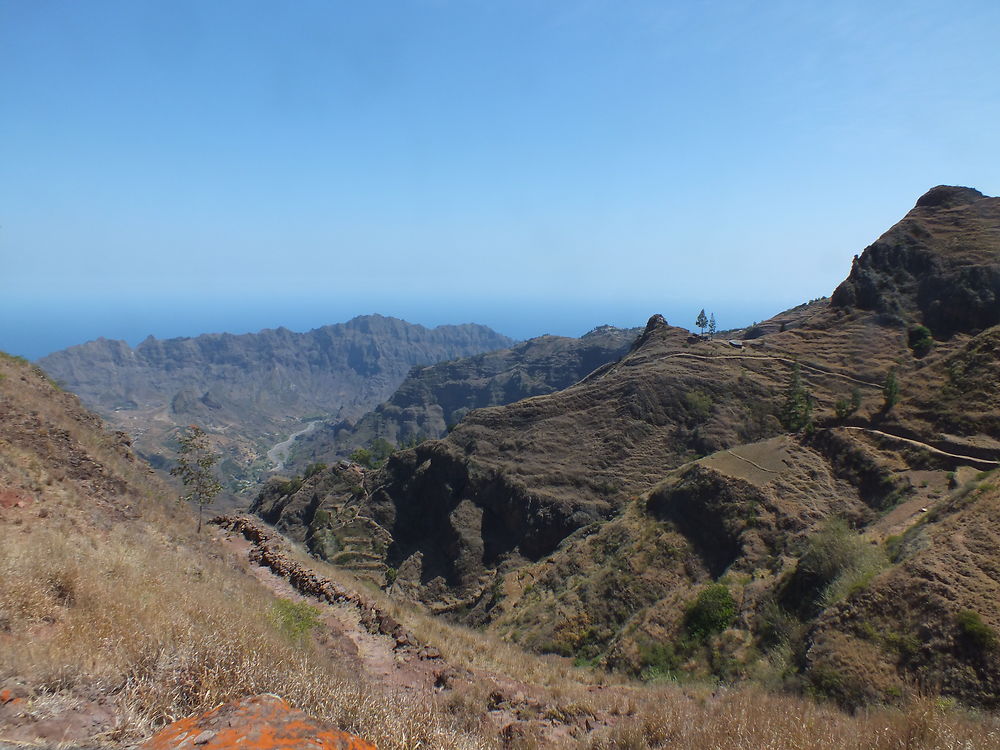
x=182, y=167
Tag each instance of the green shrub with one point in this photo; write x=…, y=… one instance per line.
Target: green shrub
x=699, y=405
x=775, y=625
x=363, y=456
x=829, y=552
x=890, y=391
x=842, y=408
x=920, y=340
x=974, y=631
x=836, y=563
x=845, y=408
x=295, y=619
x=660, y=661
x=894, y=547
x=291, y=486
x=374, y=455
x=906, y=644
x=712, y=612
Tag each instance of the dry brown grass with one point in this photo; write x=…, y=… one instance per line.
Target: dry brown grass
x=106, y=593
x=753, y=719
x=114, y=597
x=464, y=646
x=167, y=633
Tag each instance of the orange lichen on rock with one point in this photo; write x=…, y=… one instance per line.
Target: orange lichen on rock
x=262, y=722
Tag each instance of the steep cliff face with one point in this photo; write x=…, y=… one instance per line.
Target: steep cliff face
x=251, y=390
x=433, y=399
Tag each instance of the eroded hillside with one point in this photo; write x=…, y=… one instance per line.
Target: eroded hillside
x=434, y=399
x=693, y=468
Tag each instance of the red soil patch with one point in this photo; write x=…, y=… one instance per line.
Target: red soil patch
x=15, y=499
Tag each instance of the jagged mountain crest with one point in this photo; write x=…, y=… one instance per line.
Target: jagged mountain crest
x=252, y=390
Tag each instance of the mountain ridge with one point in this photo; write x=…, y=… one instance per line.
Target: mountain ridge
x=250, y=390
x=434, y=398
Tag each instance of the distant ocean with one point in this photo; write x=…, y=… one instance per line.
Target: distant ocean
x=34, y=328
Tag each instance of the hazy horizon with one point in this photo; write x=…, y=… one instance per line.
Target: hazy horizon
x=34, y=331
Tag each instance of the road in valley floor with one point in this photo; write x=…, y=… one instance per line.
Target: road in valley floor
x=279, y=453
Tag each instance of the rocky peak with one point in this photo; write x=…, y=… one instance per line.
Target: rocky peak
x=654, y=322
x=939, y=266
x=948, y=196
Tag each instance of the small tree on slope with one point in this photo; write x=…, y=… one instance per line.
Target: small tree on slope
x=194, y=467
x=890, y=391
x=701, y=322
x=796, y=413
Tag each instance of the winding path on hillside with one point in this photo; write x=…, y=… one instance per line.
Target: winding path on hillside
x=973, y=460
x=775, y=357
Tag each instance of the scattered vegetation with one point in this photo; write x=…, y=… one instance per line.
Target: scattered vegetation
x=295, y=619
x=372, y=457
x=699, y=405
x=975, y=632
x=134, y=607
x=291, y=486
x=836, y=563
x=845, y=408
x=313, y=469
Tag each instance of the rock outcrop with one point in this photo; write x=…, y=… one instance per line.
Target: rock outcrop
x=262, y=722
